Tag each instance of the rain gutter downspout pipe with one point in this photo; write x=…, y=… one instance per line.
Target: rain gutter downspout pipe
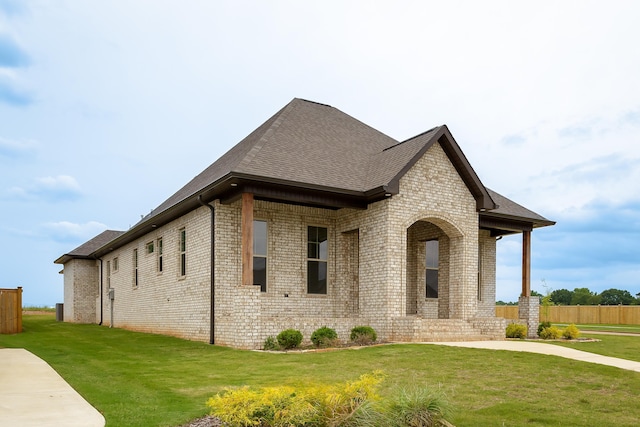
x=212, y=263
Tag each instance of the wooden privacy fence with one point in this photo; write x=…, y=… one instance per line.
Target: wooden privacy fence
x=611, y=314
x=10, y=311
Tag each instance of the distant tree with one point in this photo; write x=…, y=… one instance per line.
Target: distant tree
x=615, y=297
x=561, y=296
x=583, y=296
x=536, y=294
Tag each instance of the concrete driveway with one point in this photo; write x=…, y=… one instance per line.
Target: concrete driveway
x=33, y=394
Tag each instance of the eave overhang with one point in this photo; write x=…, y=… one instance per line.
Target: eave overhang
x=500, y=224
x=230, y=188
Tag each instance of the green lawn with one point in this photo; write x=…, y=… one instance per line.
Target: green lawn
x=146, y=380
x=608, y=345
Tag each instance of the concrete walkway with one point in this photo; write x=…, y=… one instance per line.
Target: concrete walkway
x=33, y=394
x=549, y=349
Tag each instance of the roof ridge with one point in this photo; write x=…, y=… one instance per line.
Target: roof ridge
x=413, y=137
x=257, y=147
x=312, y=102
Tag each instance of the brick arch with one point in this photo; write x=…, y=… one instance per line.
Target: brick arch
x=446, y=223
x=426, y=227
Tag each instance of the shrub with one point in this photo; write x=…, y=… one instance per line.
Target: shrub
x=571, y=332
x=270, y=344
x=550, y=333
x=516, y=330
x=363, y=335
x=347, y=404
x=289, y=338
x=323, y=337
x=273, y=406
x=417, y=406
x=543, y=325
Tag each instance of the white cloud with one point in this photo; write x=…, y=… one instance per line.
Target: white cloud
x=69, y=231
x=17, y=148
x=49, y=188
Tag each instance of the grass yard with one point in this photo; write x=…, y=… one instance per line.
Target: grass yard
x=609, y=345
x=146, y=380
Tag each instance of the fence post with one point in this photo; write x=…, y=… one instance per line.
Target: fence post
x=19, y=309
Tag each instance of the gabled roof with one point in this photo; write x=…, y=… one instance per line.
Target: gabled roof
x=86, y=250
x=319, y=149
x=311, y=154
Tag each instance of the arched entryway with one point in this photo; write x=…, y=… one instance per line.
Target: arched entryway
x=434, y=269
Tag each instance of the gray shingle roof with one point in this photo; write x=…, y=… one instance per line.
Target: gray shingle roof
x=312, y=150
x=304, y=143
x=86, y=249
x=509, y=209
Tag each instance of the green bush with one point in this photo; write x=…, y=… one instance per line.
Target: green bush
x=363, y=335
x=324, y=337
x=270, y=344
x=289, y=338
x=543, y=325
x=516, y=330
x=571, y=332
x=551, y=333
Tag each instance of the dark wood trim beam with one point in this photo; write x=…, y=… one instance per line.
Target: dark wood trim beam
x=526, y=263
x=247, y=239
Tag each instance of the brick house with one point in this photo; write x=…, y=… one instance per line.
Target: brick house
x=314, y=219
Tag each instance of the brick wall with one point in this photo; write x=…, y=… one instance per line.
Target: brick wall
x=81, y=287
x=163, y=302
x=375, y=268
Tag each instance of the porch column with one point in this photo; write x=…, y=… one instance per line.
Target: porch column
x=526, y=263
x=528, y=306
x=247, y=239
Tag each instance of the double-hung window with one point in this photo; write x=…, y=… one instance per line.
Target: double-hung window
x=135, y=268
x=260, y=254
x=432, y=255
x=317, y=255
x=182, y=248
x=159, y=254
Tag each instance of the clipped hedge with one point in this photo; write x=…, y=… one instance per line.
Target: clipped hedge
x=324, y=337
x=363, y=335
x=289, y=338
x=516, y=330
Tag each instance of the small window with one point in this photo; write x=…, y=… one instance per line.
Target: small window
x=432, y=255
x=317, y=255
x=260, y=254
x=183, y=252
x=159, y=254
x=115, y=264
x=149, y=247
x=135, y=268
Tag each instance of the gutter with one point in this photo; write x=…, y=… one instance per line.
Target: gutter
x=212, y=274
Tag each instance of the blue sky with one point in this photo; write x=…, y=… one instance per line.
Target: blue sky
x=107, y=108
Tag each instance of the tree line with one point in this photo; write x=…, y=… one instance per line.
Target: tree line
x=584, y=296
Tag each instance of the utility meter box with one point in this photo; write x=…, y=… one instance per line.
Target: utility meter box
x=112, y=293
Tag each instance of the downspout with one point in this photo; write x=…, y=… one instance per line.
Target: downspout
x=212, y=263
